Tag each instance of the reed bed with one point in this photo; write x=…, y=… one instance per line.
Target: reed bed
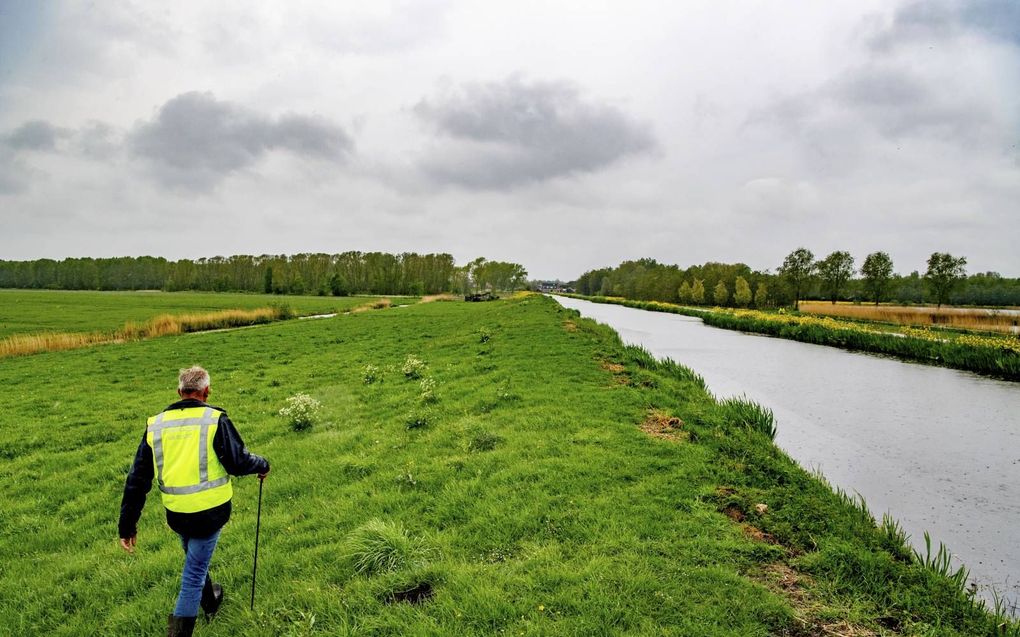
x=956, y=317
x=24, y=344
x=378, y=304
x=162, y=325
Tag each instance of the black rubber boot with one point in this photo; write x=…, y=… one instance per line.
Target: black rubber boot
x=180, y=626
x=212, y=597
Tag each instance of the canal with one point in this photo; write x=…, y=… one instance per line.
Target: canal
x=938, y=449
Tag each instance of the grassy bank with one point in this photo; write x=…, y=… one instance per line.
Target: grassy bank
x=994, y=355
x=475, y=469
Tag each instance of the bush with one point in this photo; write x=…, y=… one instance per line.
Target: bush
x=301, y=411
x=371, y=374
x=413, y=367
x=380, y=547
x=428, y=390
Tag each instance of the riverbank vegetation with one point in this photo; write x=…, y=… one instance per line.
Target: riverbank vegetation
x=318, y=274
x=553, y=482
x=986, y=354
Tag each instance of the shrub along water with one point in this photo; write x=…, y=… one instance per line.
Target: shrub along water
x=993, y=355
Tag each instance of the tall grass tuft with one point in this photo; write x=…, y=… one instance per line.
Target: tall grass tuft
x=380, y=547
x=750, y=414
x=682, y=372
x=894, y=539
x=941, y=563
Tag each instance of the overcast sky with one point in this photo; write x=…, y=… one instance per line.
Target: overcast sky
x=561, y=135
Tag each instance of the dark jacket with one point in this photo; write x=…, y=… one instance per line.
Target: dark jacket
x=229, y=448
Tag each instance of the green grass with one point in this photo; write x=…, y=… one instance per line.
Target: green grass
x=32, y=311
x=528, y=502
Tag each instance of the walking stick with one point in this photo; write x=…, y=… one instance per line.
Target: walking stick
x=258, y=523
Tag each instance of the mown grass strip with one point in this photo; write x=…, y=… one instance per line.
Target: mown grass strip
x=995, y=356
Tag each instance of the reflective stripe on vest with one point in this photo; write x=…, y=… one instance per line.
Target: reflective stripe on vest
x=191, y=431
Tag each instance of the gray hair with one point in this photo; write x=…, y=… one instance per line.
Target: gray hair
x=192, y=380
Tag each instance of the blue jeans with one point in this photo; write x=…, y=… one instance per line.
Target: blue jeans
x=197, y=555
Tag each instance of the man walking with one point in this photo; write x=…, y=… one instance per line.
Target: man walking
x=192, y=449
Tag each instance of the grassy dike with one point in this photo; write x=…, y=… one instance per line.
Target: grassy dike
x=559, y=483
x=985, y=354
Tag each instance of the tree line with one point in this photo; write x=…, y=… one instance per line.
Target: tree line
x=323, y=274
x=802, y=277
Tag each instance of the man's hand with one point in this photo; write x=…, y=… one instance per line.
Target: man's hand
x=262, y=476
x=128, y=543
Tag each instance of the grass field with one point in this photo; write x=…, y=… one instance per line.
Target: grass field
x=537, y=478
x=978, y=319
x=32, y=311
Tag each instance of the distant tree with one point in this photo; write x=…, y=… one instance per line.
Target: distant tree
x=721, y=295
x=698, y=292
x=684, y=293
x=337, y=286
x=267, y=281
x=761, y=295
x=877, y=271
x=741, y=292
x=944, y=273
x=835, y=270
x=797, y=269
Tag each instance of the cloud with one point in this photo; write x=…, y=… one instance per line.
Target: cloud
x=504, y=134
x=35, y=135
x=98, y=140
x=939, y=19
x=195, y=140
x=931, y=73
x=14, y=175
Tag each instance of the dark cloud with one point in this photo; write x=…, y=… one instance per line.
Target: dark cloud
x=196, y=140
x=514, y=132
x=938, y=19
x=898, y=103
x=35, y=135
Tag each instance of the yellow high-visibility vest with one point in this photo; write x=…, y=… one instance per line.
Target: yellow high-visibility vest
x=191, y=478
